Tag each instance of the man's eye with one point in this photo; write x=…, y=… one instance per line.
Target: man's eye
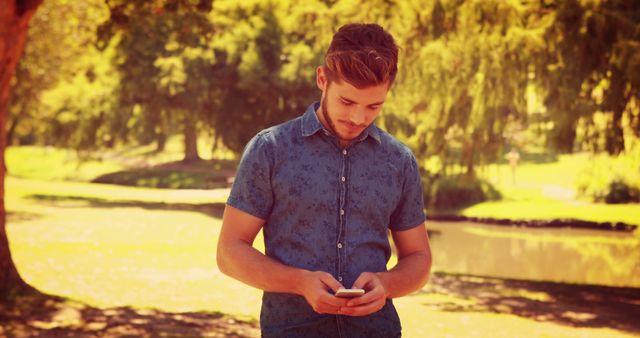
x=346, y=103
x=374, y=107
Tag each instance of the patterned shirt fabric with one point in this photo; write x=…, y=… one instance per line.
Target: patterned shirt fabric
x=327, y=208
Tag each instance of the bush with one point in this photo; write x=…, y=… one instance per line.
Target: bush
x=607, y=187
x=454, y=192
x=612, y=179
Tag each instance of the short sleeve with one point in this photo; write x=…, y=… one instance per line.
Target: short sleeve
x=251, y=191
x=410, y=211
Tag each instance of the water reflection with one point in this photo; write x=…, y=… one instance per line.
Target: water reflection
x=559, y=255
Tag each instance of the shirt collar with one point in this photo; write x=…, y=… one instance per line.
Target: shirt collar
x=311, y=125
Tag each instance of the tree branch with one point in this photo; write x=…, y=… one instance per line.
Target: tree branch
x=24, y=6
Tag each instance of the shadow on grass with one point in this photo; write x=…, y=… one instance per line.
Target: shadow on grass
x=21, y=216
x=39, y=315
x=203, y=174
x=211, y=209
x=569, y=304
x=538, y=158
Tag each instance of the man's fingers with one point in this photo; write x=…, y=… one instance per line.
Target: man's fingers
x=330, y=305
x=362, y=281
x=332, y=300
x=367, y=298
x=331, y=282
x=363, y=310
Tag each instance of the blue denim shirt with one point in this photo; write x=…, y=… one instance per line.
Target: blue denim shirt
x=327, y=208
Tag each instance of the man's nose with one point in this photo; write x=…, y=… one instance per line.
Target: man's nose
x=357, y=116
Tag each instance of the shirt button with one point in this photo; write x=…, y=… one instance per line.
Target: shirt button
x=343, y=179
x=339, y=245
x=344, y=151
x=340, y=279
x=341, y=211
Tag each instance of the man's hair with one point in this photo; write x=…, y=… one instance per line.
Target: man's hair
x=363, y=55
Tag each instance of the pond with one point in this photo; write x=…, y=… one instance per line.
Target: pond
x=545, y=254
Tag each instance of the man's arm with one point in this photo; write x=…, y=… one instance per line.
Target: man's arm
x=414, y=262
x=237, y=258
x=410, y=274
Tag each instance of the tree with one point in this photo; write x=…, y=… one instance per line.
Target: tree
x=14, y=22
x=155, y=41
x=56, y=54
x=266, y=56
x=463, y=78
x=591, y=65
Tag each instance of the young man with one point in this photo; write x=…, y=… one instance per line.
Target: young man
x=326, y=188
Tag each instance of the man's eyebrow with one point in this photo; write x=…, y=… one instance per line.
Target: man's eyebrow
x=352, y=101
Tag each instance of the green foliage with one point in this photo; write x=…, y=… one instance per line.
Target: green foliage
x=457, y=191
x=473, y=70
x=467, y=81
x=476, y=77
x=590, y=64
x=266, y=53
x=59, y=51
x=165, y=85
x=612, y=179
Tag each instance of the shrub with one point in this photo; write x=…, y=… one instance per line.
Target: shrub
x=454, y=192
x=607, y=187
x=612, y=179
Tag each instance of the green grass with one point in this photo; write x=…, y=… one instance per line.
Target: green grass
x=548, y=209
x=545, y=191
x=137, y=166
x=48, y=163
x=544, y=188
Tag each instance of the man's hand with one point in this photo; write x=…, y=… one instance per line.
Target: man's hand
x=372, y=301
x=318, y=289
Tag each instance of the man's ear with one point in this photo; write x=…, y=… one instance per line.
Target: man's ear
x=321, y=78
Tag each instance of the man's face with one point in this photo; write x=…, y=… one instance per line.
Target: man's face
x=346, y=110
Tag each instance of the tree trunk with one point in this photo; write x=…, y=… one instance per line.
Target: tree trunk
x=564, y=136
x=616, y=102
x=161, y=142
x=469, y=153
x=14, y=24
x=190, y=142
x=13, y=124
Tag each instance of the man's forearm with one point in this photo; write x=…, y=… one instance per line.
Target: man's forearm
x=410, y=274
x=241, y=261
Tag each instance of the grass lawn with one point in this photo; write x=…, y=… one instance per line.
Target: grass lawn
x=545, y=191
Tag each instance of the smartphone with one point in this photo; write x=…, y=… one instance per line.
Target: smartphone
x=349, y=293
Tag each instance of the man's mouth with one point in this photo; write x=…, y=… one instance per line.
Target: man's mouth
x=352, y=128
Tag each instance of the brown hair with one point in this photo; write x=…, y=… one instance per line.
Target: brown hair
x=363, y=55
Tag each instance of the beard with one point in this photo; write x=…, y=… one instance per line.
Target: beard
x=325, y=113
x=330, y=124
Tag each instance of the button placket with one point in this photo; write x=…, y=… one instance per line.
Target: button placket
x=340, y=252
